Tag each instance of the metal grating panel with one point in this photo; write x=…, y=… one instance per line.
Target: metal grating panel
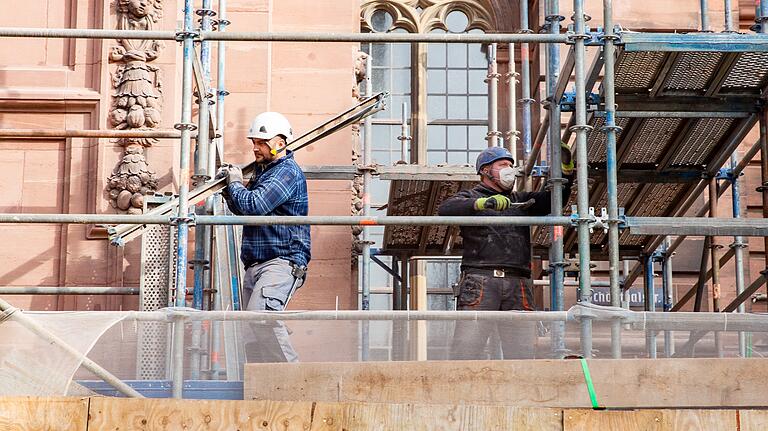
x=658, y=200
x=596, y=138
x=157, y=276
x=652, y=139
x=705, y=134
x=638, y=69
x=749, y=72
x=693, y=71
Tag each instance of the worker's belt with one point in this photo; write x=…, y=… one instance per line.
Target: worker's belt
x=499, y=272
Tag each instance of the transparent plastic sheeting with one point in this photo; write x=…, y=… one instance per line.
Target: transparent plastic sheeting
x=32, y=366
x=133, y=347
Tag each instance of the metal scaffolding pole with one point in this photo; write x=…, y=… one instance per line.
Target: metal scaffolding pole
x=366, y=253
x=493, y=98
x=217, y=148
x=666, y=273
x=405, y=137
x=761, y=15
x=283, y=36
x=556, y=181
x=610, y=130
x=728, y=16
x=738, y=246
x=73, y=133
x=650, y=304
x=525, y=75
x=580, y=129
x=201, y=262
x=714, y=256
x=183, y=218
x=704, y=16
x=512, y=133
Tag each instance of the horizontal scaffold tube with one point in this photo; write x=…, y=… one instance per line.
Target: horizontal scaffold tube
x=73, y=133
x=68, y=290
x=284, y=37
x=636, y=225
x=281, y=220
x=638, y=319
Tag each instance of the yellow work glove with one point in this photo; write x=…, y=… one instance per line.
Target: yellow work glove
x=566, y=157
x=495, y=202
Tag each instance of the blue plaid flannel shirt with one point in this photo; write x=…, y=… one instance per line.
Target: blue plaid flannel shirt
x=279, y=188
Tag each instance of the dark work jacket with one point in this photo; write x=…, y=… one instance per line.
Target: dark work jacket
x=500, y=247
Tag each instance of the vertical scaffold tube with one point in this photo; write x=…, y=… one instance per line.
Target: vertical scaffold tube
x=738, y=247
x=715, y=258
x=201, y=262
x=650, y=304
x=213, y=149
x=728, y=16
x=610, y=130
x=704, y=15
x=761, y=17
x=582, y=175
x=493, y=98
x=556, y=258
x=512, y=134
x=182, y=228
x=764, y=176
x=525, y=80
x=366, y=257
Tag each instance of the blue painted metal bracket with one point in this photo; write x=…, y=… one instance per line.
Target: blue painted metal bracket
x=568, y=102
x=540, y=171
x=719, y=42
x=726, y=174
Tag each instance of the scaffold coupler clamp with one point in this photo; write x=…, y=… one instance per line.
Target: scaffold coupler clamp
x=602, y=221
x=183, y=35
x=185, y=126
x=763, y=187
x=576, y=218
x=190, y=219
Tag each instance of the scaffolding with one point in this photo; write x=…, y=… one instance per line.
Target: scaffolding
x=622, y=231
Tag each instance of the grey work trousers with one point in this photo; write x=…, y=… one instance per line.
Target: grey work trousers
x=479, y=290
x=268, y=287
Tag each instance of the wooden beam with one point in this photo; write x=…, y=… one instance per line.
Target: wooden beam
x=622, y=383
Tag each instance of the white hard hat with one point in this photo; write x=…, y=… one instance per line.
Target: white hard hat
x=267, y=125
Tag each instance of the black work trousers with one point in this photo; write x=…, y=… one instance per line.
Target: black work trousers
x=479, y=290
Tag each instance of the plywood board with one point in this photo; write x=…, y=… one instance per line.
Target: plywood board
x=50, y=414
x=652, y=420
x=382, y=417
x=628, y=383
x=165, y=414
x=753, y=420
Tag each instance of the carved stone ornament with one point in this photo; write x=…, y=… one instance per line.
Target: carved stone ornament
x=423, y=16
x=137, y=103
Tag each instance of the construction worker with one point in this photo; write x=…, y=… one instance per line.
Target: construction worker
x=275, y=257
x=496, y=260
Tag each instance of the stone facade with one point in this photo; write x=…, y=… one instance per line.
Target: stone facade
x=93, y=84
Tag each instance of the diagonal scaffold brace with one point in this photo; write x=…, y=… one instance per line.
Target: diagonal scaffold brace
x=121, y=234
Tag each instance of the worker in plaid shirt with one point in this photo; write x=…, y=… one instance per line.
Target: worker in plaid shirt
x=276, y=256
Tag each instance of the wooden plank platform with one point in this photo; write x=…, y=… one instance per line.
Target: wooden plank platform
x=106, y=414
x=623, y=383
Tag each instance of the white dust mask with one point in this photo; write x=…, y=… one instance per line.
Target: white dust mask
x=507, y=178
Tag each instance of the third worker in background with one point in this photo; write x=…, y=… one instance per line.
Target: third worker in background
x=496, y=260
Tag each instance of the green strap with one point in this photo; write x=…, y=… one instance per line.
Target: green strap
x=590, y=386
